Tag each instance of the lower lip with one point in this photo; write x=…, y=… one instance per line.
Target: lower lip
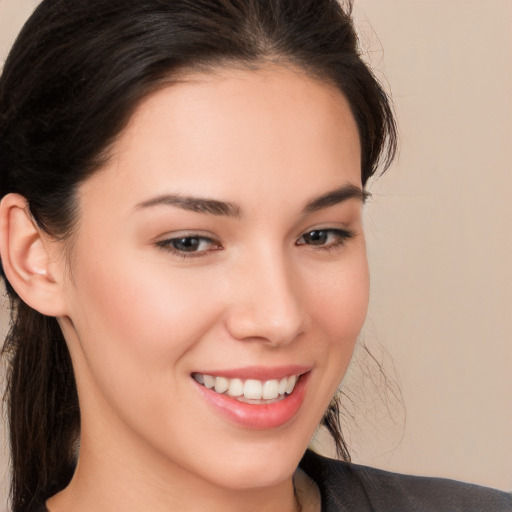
x=258, y=416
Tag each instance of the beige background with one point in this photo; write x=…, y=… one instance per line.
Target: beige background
x=439, y=240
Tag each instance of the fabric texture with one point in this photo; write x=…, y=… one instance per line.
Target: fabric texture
x=348, y=487
x=352, y=488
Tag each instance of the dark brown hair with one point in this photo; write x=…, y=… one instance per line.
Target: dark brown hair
x=70, y=84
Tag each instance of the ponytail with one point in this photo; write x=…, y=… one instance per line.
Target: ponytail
x=42, y=405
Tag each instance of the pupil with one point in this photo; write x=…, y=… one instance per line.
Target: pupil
x=317, y=237
x=188, y=244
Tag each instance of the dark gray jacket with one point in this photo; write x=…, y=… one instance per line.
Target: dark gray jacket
x=352, y=488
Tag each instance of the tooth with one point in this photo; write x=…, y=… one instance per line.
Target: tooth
x=252, y=389
x=236, y=387
x=221, y=384
x=209, y=381
x=283, y=383
x=270, y=389
x=291, y=384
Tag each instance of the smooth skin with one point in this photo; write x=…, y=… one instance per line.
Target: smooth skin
x=147, y=293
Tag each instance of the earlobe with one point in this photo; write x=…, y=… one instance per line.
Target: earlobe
x=26, y=258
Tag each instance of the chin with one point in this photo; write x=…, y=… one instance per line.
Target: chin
x=262, y=464
x=256, y=474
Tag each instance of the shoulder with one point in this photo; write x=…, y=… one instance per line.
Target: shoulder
x=351, y=487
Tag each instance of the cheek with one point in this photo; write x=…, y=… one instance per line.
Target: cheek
x=138, y=317
x=339, y=311
x=340, y=306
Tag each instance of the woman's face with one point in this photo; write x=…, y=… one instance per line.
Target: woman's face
x=221, y=245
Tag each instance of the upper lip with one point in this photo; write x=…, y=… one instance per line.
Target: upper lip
x=258, y=372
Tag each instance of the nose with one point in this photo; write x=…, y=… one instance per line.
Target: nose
x=266, y=301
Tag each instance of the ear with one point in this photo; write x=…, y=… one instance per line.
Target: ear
x=29, y=265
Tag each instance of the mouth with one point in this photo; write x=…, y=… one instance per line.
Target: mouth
x=255, y=398
x=251, y=391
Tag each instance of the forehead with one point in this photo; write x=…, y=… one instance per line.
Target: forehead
x=232, y=130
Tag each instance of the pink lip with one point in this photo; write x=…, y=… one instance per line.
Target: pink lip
x=258, y=372
x=257, y=416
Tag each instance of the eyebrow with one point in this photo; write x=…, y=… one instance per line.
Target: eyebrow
x=336, y=196
x=194, y=204
x=228, y=209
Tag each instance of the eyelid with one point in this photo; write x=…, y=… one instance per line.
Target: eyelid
x=343, y=235
x=166, y=244
x=184, y=233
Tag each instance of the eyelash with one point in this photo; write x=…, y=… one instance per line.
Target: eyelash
x=341, y=236
x=168, y=245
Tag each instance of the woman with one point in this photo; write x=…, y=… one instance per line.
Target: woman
x=181, y=238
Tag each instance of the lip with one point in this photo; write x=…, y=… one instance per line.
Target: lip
x=258, y=372
x=257, y=416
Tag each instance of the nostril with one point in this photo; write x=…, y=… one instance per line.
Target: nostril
x=264, y=327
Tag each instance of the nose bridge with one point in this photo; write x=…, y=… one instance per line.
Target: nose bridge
x=267, y=304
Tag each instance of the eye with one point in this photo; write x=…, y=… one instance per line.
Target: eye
x=325, y=238
x=189, y=246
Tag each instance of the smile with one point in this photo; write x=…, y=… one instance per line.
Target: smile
x=249, y=390
x=255, y=397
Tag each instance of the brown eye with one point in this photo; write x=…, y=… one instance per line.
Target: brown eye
x=325, y=238
x=192, y=245
x=186, y=244
x=317, y=237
